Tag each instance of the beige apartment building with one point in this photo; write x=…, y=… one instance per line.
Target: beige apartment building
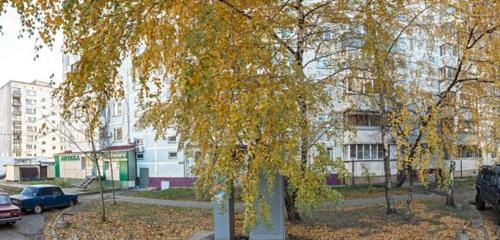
x=29, y=120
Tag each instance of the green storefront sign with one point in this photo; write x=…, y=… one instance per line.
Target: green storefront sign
x=70, y=158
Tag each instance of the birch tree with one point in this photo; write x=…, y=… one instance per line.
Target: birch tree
x=430, y=126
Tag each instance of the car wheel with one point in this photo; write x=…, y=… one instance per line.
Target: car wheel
x=480, y=204
x=71, y=203
x=38, y=209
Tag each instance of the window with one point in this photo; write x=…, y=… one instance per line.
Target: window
x=172, y=139
x=43, y=99
x=494, y=154
x=53, y=138
x=326, y=35
x=330, y=153
x=117, y=133
x=43, y=142
x=30, y=93
x=359, y=85
x=365, y=151
x=140, y=156
x=447, y=49
x=44, y=192
x=56, y=192
x=30, y=102
x=43, y=150
x=447, y=73
x=467, y=126
x=31, y=119
x=117, y=109
x=30, y=111
x=31, y=128
x=363, y=119
x=53, y=147
x=469, y=152
x=172, y=155
x=29, y=146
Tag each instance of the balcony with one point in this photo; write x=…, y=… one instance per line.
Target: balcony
x=16, y=102
x=16, y=93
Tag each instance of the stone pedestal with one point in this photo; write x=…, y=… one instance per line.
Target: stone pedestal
x=224, y=217
x=276, y=200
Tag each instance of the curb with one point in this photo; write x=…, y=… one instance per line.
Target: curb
x=54, y=223
x=475, y=218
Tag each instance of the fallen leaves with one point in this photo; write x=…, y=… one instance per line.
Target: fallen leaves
x=137, y=221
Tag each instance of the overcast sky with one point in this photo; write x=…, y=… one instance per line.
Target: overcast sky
x=17, y=55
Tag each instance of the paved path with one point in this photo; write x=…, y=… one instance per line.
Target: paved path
x=30, y=227
x=198, y=204
x=172, y=203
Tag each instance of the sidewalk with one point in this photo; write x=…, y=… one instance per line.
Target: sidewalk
x=199, y=204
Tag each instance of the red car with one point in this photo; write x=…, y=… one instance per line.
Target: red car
x=9, y=213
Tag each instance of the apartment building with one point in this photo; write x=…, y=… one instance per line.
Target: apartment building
x=156, y=162
x=29, y=119
x=360, y=147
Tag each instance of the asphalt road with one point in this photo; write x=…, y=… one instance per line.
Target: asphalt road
x=30, y=227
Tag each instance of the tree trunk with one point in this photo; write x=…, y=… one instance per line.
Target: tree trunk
x=408, y=212
x=389, y=201
x=402, y=176
x=103, y=217
x=112, y=177
x=292, y=212
x=450, y=198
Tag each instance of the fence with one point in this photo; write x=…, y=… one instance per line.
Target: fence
x=463, y=168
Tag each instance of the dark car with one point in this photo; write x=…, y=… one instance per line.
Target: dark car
x=9, y=213
x=488, y=187
x=37, y=198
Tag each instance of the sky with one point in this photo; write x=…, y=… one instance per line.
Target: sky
x=17, y=55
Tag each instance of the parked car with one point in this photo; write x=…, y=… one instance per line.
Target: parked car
x=2, y=176
x=9, y=213
x=37, y=198
x=488, y=187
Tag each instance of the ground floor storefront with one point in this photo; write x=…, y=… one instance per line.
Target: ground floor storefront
x=116, y=165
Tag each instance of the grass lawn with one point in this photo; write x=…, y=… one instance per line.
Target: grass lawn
x=11, y=190
x=190, y=194
x=170, y=194
x=137, y=221
x=57, y=182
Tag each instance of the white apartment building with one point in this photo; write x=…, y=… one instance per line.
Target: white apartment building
x=29, y=119
x=161, y=160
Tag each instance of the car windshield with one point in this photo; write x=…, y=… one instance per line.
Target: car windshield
x=4, y=199
x=28, y=191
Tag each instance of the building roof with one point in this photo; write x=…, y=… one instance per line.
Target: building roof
x=42, y=185
x=112, y=148
x=121, y=147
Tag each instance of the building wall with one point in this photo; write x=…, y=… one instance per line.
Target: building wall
x=156, y=154
x=6, y=121
x=38, y=122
